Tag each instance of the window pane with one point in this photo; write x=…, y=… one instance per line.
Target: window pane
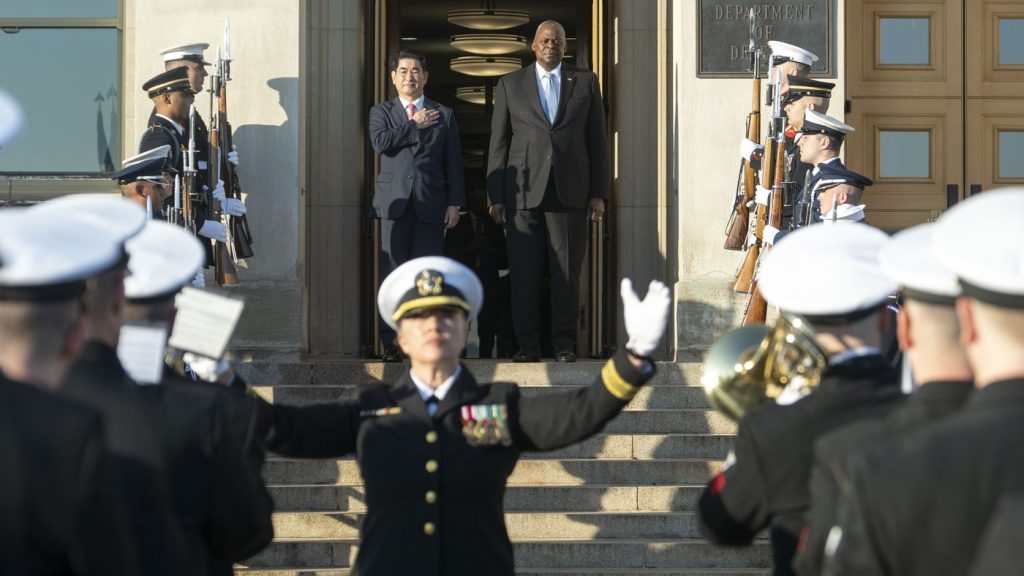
x=1011, y=154
x=903, y=41
x=59, y=9
x=1011, y=41
x=904, y=154
x=71, y=103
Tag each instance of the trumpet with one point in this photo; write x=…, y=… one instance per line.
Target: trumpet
x=752, y=365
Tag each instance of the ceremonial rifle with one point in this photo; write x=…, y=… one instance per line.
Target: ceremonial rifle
x=191, y=186
x=739, y=220
x=223, y=265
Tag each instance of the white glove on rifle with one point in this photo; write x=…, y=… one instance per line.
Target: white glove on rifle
x=198, y=281
x=218, y=192
x=205, y=368
x=645, y=319
x=233, y=156
x=214, y=230
x=750, y=150
x=232, y=207
x=762, y=195
x=768, y=234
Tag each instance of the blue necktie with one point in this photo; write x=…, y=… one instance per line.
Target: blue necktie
x=551, y=96
x=432, y=404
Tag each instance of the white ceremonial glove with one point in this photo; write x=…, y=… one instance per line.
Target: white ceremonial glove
x=762, y=195
x=768, y=234
x=198, y=281
x=232, y=207
x=214, y=230
x=233, y=155
x=750, y=150
x=218, y=192
x=205, y=368
x=645, y=319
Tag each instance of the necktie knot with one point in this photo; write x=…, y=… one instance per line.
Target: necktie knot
x=411, y=110
x=432, y=402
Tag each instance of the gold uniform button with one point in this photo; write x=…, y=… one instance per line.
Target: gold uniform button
x=431, y=465
x=429, y=528
x=430, y=497
x=431, y=437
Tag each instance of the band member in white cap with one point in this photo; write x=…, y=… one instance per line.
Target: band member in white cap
x=921, y=506
x=831, y=277
x=435, y=449
x=929, y=336
x=59, y=509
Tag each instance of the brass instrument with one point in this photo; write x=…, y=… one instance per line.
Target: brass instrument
x=752, y=365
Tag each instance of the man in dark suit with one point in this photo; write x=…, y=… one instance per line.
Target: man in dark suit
x=921, y=506
x=548, y=165
x=60, y=511
x=420, y=187
x=436, y=449
x=842, y=294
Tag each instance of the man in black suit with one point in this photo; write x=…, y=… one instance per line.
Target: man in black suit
x=420, y=187
x=59, y=511
x=842, y=294
x=548, y=165
x=921, y=506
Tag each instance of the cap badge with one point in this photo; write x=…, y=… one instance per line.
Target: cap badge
x=429, y=283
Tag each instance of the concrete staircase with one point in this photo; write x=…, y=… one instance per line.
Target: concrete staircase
x=621, y=503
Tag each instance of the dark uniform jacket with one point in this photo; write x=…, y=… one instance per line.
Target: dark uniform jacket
x=921, y=507
x=1001, y=550
x=418, y=167
x=61, y=515
x=766, y=484
x=435, y=486
x=221, y=503
x=526, y=148
x=96, y=379
x=833, y=452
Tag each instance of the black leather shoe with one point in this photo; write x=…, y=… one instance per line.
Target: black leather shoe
x=392, y=354
x=565, y=356
x=527, y=356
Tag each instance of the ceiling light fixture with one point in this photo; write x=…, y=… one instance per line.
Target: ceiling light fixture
x=488, y=18
x=472, y=94
x=488, y=44
x=484, y=66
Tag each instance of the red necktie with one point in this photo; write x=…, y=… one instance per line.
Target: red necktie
x=412, y=110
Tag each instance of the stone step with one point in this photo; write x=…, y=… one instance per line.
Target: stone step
x=650, y=397
x=666, y=471
x=532, y=525
x=532, y=374
x=573, y=498
x=548, y=556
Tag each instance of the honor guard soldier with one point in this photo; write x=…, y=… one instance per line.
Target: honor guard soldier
x=921, y=506
x=59, y=509
x=929, y=335
x=830, y=276
x=786, y=61
x=220, y=500
x=804, y=94
x=147, y=179
x=97, y=379
x=436, y=449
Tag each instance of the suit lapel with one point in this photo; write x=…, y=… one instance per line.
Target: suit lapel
x=398, y=114
x=568, y=83
x=464, y=391
x=404, y=394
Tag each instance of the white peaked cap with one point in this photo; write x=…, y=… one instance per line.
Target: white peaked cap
x=429, y=282
x=115, y=216
x=909, y=260
x=161, y=259
x=186, y=52
x=791, y=52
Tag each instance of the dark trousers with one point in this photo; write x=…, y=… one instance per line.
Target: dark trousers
x=402, y=240
x=560, y=233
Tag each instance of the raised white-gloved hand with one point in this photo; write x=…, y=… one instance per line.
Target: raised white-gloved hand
x=198, y=281
x=232, y=207
x=214, y=230
x=768, y=234
x=761, y=195
x=750, y=150
x=218, y=192
x=233, y=155
x=645, y=319
x=205, y=368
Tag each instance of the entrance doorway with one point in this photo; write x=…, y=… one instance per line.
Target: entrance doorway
x=934, y=93
x=424, y=25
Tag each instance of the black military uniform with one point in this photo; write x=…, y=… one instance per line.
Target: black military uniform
x=797, y=179
x=1001, y=550
x=435, y=485
x=56, y=489
x=97, y=379
x=766, y=485
x=834, y=451
x=221, y=502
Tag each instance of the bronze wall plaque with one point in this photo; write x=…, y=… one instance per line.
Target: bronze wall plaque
x=723, y=33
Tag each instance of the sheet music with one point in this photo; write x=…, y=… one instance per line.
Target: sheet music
x=141, y=349
x=205, y=322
